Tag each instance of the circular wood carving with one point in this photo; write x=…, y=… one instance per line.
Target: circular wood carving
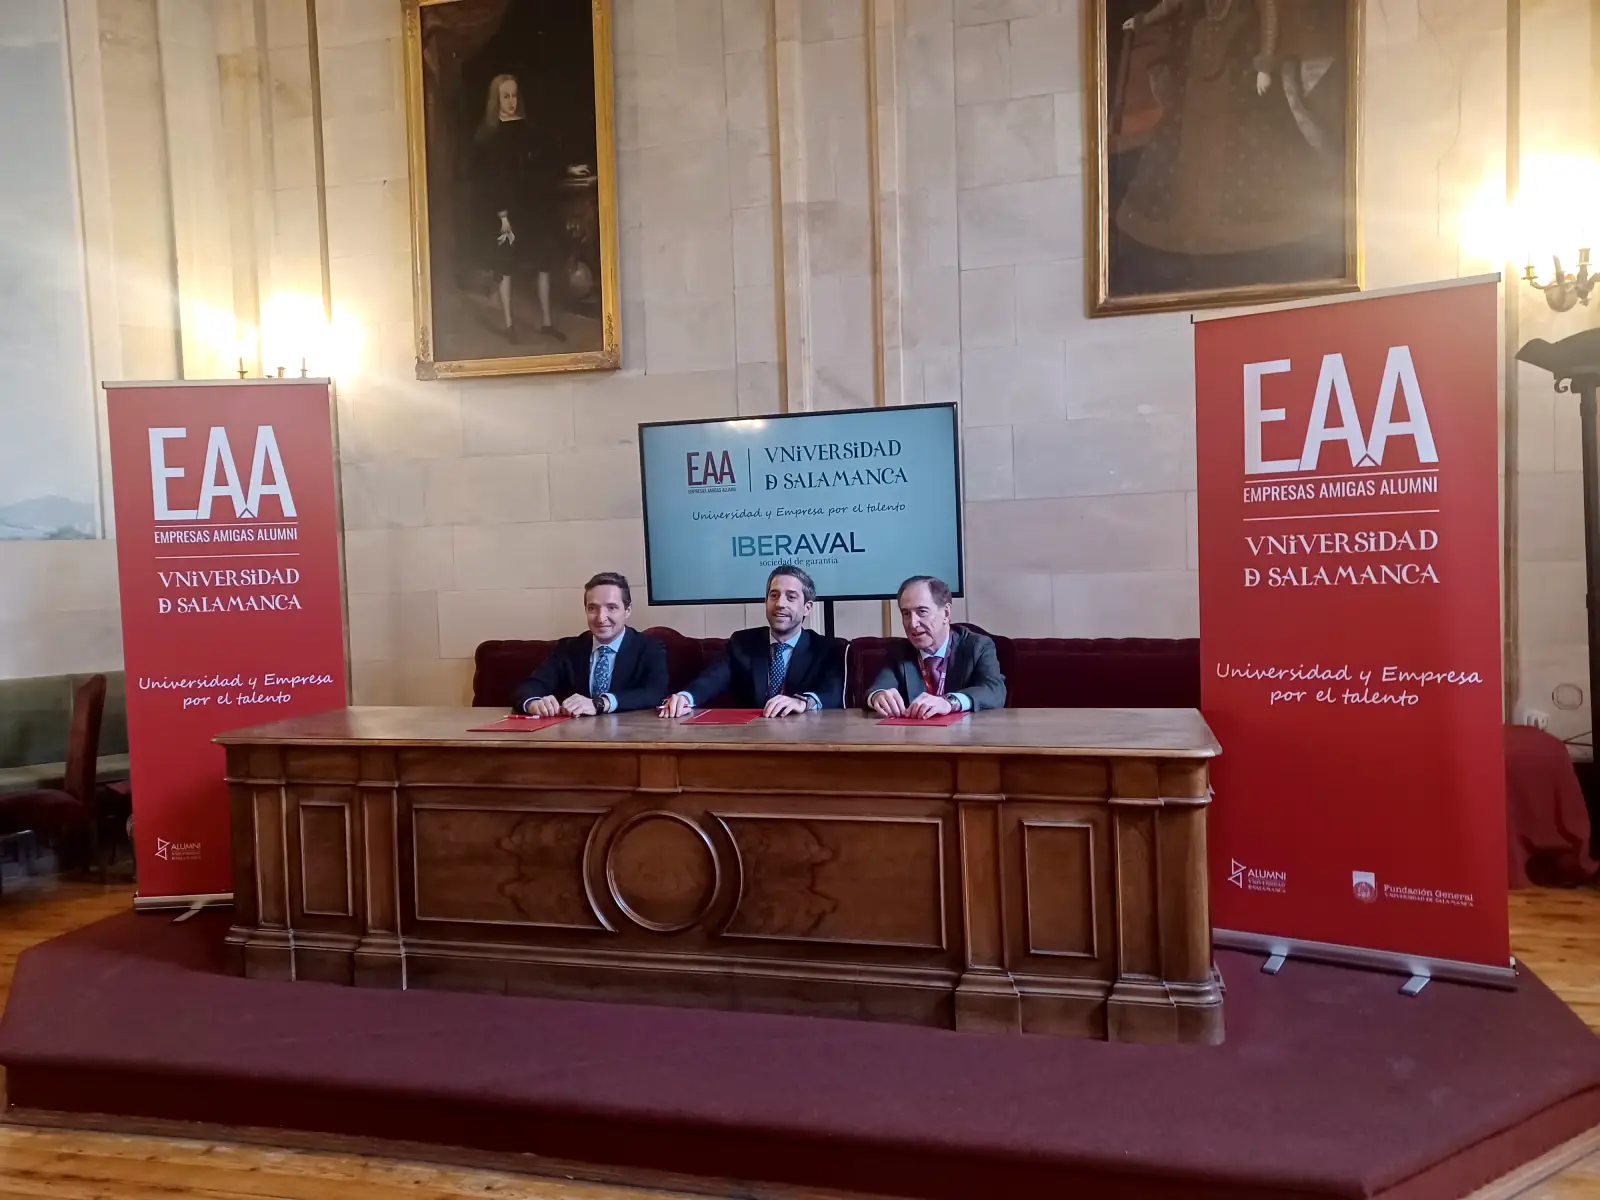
x=662, y=871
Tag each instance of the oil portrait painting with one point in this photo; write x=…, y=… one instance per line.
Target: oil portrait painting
x=513, y=191
x=1224, y=160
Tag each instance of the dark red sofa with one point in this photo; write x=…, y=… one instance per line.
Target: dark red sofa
x=1040, y=672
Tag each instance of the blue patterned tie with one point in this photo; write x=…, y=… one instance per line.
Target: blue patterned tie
x=602, y=673
x=780, y=666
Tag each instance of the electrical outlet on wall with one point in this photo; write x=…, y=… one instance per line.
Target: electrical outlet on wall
x=1534, y=717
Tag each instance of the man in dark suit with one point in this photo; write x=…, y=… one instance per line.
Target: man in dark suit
x=782, y=669
x=940, y=669
x=609, y=669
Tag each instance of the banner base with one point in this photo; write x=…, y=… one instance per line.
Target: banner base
x=1413, y=965
x=156, y=903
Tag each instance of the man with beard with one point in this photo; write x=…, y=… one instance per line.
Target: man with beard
x=783, y=669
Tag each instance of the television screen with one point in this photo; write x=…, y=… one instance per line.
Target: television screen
x=859, y=499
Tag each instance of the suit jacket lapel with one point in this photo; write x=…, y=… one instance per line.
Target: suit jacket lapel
x=622, y=668
x=798, y=657
x=760, y=662
x=580, y=663
x=959, y=668
x=912, y=670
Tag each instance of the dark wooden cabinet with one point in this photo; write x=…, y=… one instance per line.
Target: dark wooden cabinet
x=1041, y=871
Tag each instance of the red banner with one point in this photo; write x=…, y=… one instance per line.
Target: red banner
x=1350, y=623
x=232, y=611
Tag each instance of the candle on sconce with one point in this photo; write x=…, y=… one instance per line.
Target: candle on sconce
x=241, y=366
x=302, y=366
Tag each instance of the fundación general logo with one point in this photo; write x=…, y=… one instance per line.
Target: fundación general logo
x=1365, y=886
x=1257, y=879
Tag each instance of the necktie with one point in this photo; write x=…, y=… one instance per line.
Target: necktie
x=602, y=673
x=780, y=666
x=933, y=674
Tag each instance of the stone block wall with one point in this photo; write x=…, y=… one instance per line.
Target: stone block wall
x=825, y=204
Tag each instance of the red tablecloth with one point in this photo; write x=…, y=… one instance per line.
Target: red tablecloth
x=1547, y=825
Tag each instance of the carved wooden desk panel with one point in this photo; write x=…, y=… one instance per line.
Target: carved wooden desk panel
x=1033, y=870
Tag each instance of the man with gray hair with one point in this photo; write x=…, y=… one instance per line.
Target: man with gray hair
x=940, y=669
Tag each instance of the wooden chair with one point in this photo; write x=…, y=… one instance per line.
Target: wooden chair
x=63, y=814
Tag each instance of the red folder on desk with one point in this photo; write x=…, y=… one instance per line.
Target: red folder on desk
x=515, y=724
x=725, y=716
x=946, y=719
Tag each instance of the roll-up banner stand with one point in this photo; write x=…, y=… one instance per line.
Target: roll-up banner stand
x=1350, y=630
x=229, y=565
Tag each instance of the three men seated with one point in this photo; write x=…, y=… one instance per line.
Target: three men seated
x=782, y=668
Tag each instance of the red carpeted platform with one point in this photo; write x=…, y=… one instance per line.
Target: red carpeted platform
x=1330, y=1083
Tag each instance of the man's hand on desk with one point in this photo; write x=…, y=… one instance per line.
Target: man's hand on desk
x=929, y=705
x=784, y=706
x=578, y=706
x=544, y=706
x=887, y=702
x=675, y=705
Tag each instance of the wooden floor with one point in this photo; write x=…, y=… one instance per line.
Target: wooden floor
x=1556, y=933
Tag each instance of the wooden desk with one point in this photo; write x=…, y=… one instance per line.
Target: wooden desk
x=1035, y=870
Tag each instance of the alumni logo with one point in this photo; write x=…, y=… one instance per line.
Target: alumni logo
x=177, y=851
x=1256, y=879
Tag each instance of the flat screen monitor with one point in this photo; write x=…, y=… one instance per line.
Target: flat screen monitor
x=860, y=499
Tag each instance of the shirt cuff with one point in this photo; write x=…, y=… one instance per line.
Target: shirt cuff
x=526, y=711
x=687, y=697
x=610, y=701
x=876, y=692
x=960, y=700
x=813, y=700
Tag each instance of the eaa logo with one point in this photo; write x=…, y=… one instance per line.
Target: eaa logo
x=1366, y=449
x=220, y=476
x=1365, y=886
x=707, y=469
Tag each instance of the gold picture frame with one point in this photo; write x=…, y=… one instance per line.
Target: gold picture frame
x=1182, y=263
x=471, y=287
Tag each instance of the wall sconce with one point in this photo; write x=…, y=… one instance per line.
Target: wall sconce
x=1564, y=290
